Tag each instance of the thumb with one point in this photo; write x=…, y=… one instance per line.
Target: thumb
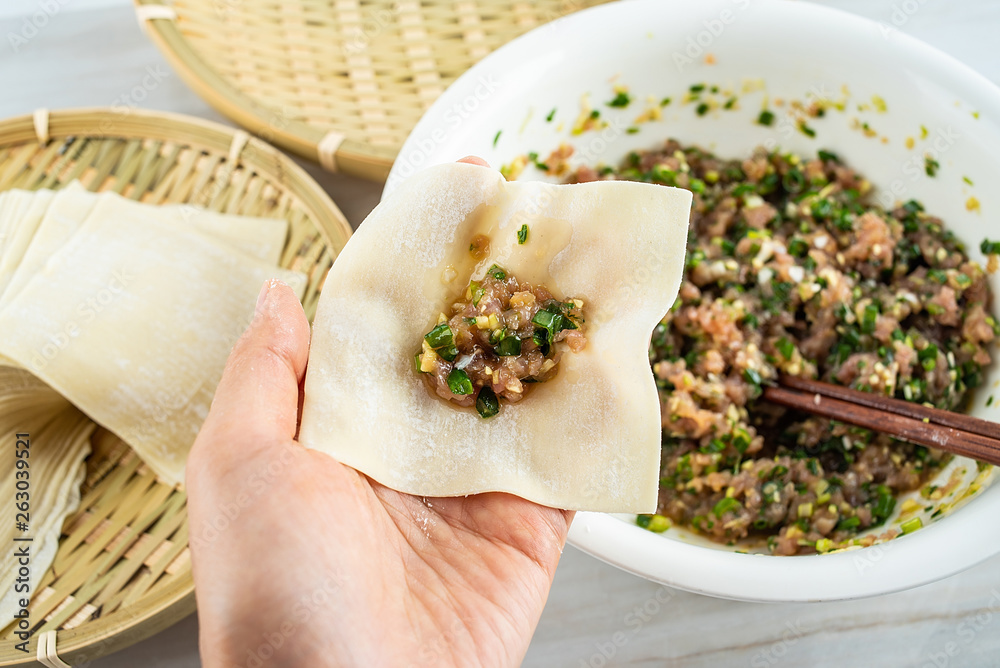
x=256, y=403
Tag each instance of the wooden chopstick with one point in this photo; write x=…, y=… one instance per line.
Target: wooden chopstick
x=931, y=427
x=958, y=421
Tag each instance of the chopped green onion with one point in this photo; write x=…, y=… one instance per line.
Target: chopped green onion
x=448, y=353
x=771, y=491
x=725, y=505
x=416, y=363
x=990, y=247
x=822, y=208
x=497, y=272
x=741, y=440
x=658, y=524
x=752, y=376
x=785, y=347
x=546, y=319
x=848, y=523
x=702, y=109
x=496, y=137
x=884, y=504
x=798, y=247
x=549, y=321
x=621, y=99
x=552, y=323
x=697, y=88
x=937, y=275
x=827, y=155
x=845, y=220
x=533, y=157
x=766, y=118
x=487, y=403
x=715, y=445
x=459, y=382
x=509, y=346
x=935, y=309
x=440, y=336
x=928, y=353
x=911, y=525
x=552, y=114
x=654, y=523
x=793, y=181
x=931, y=166
x=869, y=318
x=522, y=234
x=477, y=292
x=824, y=545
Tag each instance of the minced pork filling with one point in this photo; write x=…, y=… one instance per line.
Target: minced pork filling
x=793, y=268
x=501, y=337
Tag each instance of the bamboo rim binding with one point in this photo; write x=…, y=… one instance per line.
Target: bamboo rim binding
x=339, y=83
x=47, y=655
x=122, y=570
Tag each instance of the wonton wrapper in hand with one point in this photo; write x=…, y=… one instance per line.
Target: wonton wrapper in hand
x=588, y=439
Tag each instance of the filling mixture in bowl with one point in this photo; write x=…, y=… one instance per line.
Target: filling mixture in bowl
x=793, y=269
x=502, y=336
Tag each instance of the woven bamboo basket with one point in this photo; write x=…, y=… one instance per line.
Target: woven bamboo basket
x=122, y=571
x=341, y=82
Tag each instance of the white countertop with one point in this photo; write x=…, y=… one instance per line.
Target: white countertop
x=92, y=53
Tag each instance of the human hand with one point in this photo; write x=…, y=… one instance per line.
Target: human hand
x=302, y=561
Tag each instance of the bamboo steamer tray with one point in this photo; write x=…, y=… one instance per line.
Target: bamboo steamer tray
x=341, y=82
x=122, y=571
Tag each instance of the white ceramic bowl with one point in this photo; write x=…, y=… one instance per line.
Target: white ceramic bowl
x=659, y=48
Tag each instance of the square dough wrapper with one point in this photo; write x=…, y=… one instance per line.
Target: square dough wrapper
x=589, y=439
x=67, y=209
x=55, y=216
x=20, y=217
x=132, y=321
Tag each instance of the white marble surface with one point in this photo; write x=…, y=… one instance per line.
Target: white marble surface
x=91, y=53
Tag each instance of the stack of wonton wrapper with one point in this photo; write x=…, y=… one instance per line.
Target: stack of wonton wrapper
x=117, y=314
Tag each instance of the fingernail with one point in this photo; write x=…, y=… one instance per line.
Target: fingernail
x=262, y=297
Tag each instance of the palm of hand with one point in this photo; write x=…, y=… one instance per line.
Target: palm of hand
x=300, y=560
